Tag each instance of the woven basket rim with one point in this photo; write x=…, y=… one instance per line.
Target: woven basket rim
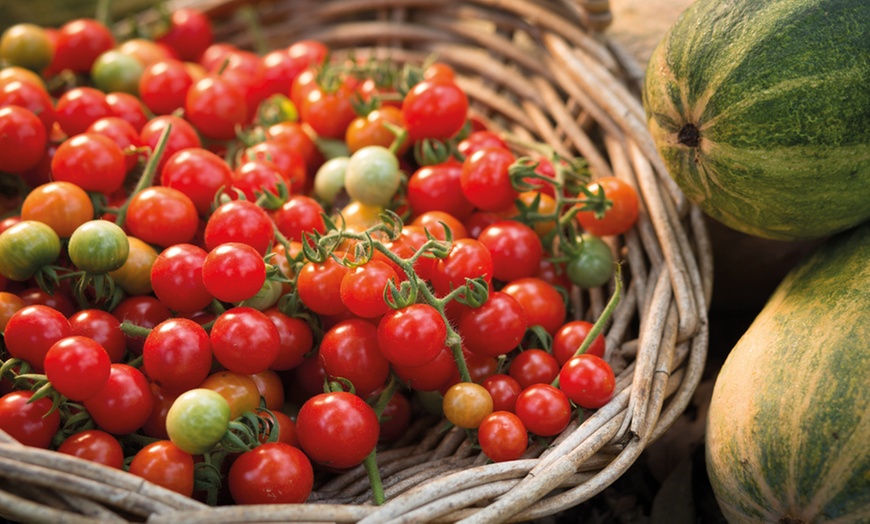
x=563, y=82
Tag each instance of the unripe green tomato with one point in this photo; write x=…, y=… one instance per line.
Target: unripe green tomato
x=266, y=297
x=114, y=71
x=26, y=45
x=98, y=246
x=197, y=420
x=592, y=266
x=329, y=179
x=27, y=247
x=372, y=176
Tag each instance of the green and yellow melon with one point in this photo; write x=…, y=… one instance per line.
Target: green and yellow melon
x=761, y=112
x=788, y=433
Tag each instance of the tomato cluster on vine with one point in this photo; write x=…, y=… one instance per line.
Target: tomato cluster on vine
x=225, y=270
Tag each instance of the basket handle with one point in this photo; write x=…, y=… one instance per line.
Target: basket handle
x=595, y=13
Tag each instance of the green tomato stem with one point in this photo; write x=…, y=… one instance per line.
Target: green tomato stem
x=598, y=326
x=371, y=466
x=147, y=178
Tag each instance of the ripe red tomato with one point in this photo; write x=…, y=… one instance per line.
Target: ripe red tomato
x=240, y=221
x=163, y=86
x=162, y=216
x=32, y=330
x=256, y=176
x=272, y=473
x=412, y=336
x=22, y=139
x=533, y=366
x=79, y=43
x=350, y=350
x=78, y=367
x=544, y=410
x=124, y=404
x=177, y=354
x=496, y=327
x=181, y=136
x=328, y=112
x=216, y=107
x=363, y=288
x=296, y=339
x=141, y=310
x=436, y=187
x=337, y=429
x=485, y=179
x=30, y=423
x=31, y=96
x=95, y=445
x=588, y=381
x=300, y=214
x=165, y=465
x=504, y=391
x=515, y=248
x=467, y=259
x=543, y=304
x=199, y=174
x=244, y=340
x=78, y=108
x=91, y=161
x=233, y=272
x=189, y=33
x=122, y=133
x=395, y=418
x=432, y=376
x=435, y=108
x=319, y=286
x=102, y=327
x=176, y=278
x=503, y=436
x=570, y=337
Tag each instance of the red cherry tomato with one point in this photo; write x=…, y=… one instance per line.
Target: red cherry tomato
x=541, y=301
x=95, y=445
x=515, y=248
x=32, y=330
x=544, y=410
x=350, y=350
x=124, y=404
x=177, y=354
x=570, y=337
x=435, y=108
x=30, y=423
x=485, y=179
x=337, y=429
x=199, y=174
x=588, y=381
x=272, y=473
x=533, y=366
x=412, y=336
x=233, y=272
x=503, y=436
x=165, y=465
x=78, y=367
x=244, y=340
x=176, y=278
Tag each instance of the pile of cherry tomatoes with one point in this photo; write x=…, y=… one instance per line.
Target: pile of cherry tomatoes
x=228, y=271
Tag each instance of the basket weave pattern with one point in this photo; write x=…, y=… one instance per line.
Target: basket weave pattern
x=543, y=71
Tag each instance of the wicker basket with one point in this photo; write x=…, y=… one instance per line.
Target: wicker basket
x=545, y=71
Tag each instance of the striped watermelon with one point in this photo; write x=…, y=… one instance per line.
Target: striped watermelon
x=788, y=433
x=761, y=112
